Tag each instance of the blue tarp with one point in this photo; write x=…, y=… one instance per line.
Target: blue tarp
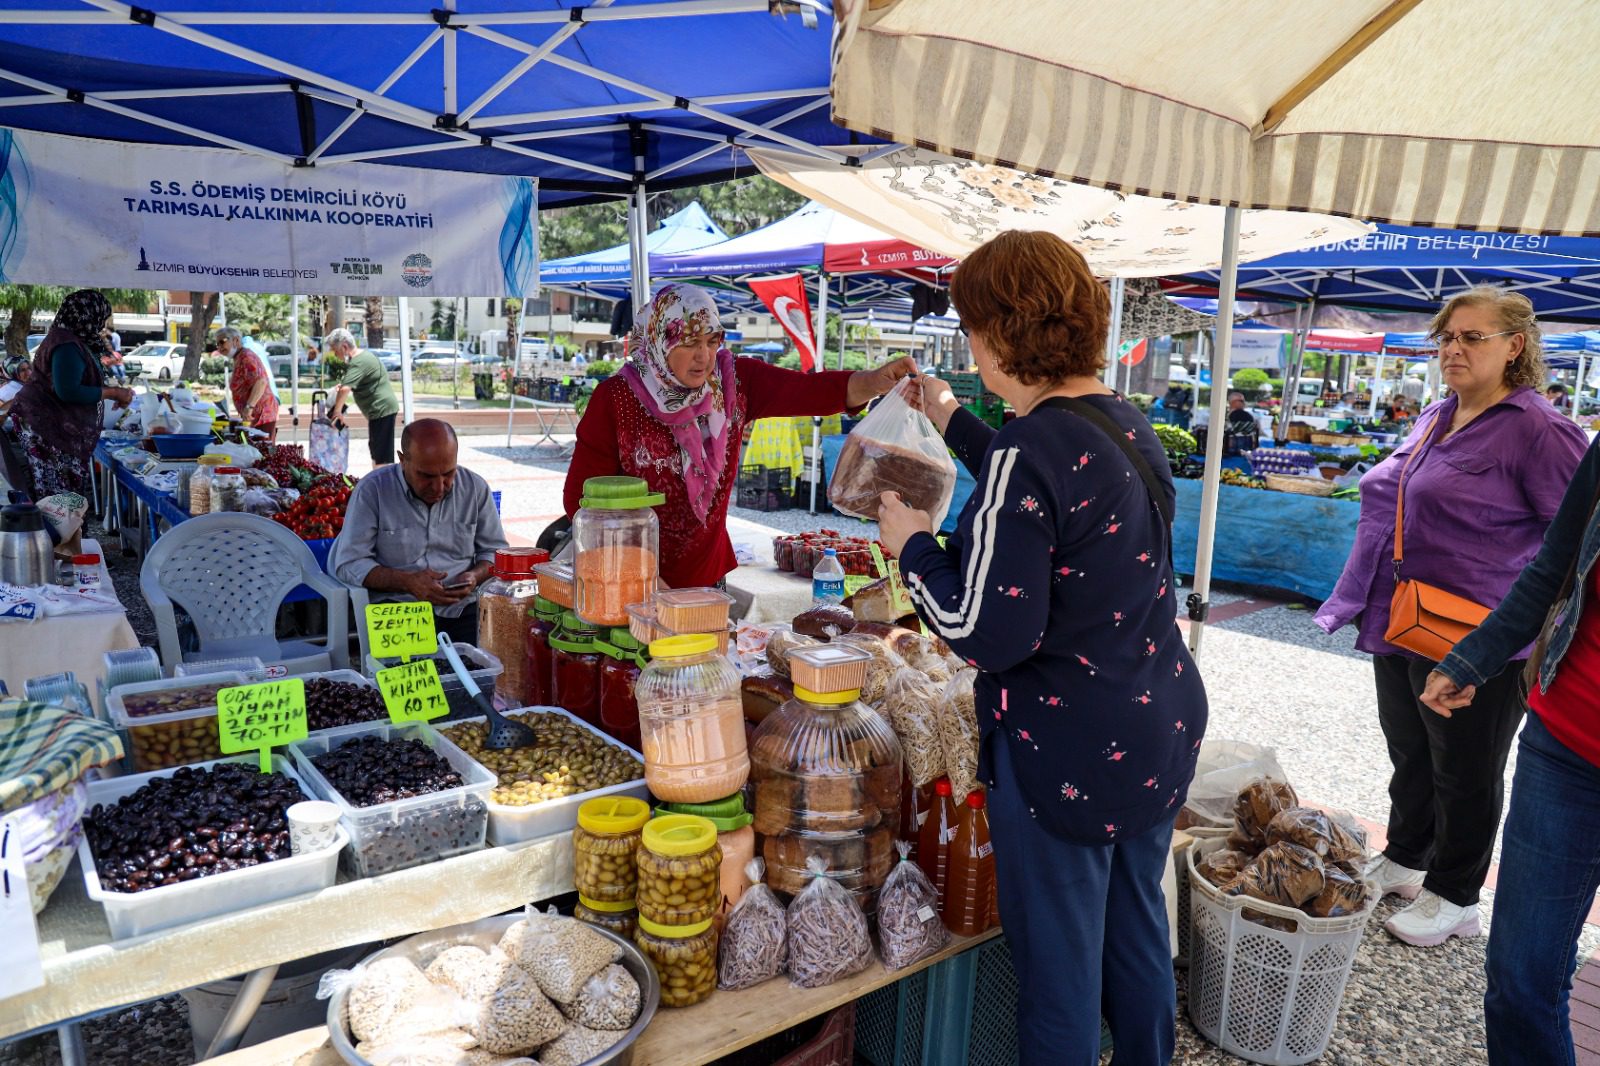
x=684, y=231
x=684, y=91
x=1269, y=539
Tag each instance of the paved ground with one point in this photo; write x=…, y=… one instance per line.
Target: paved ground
x=1273, y=678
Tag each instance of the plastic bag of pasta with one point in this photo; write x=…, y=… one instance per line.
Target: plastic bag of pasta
x=1286, y=874
x=1253, y=810
x=755, y=939
x=577, y=1045
x=516, y=1017
x=390, y=999
x=958, y=733
x=828, y=936
x=909, y=927
x=913, y=705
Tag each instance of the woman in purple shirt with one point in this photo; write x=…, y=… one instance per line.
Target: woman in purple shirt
x=1497, y=464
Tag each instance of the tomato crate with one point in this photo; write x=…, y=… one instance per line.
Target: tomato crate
x=965, y=386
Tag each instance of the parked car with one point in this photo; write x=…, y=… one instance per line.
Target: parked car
x=34, y=340
x=438, y=355
x=159, y=360
x=390, y=359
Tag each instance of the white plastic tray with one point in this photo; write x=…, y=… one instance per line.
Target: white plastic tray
x=132, y=914
x=371, y=828
x=483, y=667
x=510, y=824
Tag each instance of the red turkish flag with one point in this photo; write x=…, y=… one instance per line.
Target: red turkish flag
x=785, y=297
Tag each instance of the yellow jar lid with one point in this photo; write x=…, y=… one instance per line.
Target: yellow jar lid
x=680, y=834
x=849, y=695
x=607, y=908
x=613, y=815
x=682, y=647
x=676, y=932
x=213, y=460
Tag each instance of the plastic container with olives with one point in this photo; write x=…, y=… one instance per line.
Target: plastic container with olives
x=621, y=918
x=680, y=870
x=605, y=847
x=685, y=958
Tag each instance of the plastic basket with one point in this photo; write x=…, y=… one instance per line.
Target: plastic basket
x=889, y=1022
x=1266, y=995
x=825, y=1041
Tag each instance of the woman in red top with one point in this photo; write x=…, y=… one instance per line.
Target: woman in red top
x=675, y=416
x=250, y=383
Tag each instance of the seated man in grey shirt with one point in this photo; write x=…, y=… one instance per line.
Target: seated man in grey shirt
x=423, y=529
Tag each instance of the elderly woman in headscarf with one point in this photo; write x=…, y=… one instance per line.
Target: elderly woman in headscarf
x=250, y=383
x=675, y=416
x=55, y=419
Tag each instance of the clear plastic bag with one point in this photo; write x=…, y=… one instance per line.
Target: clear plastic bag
x=577, y=1045
x=1344, y=892
x=1224, y=767
x=515, y=1017
x=390, y=999
x=450, y=1048
x=894, y=449
x=1286, y=874
x=909, y=928
x=958, y=732
x=1319, y=832
x=886, y=662
x=755, y=939
x=561, y=953
x=608, y=1000
x=457, y=968
x=912, y=702
x=828, y=936
x=1253, y=810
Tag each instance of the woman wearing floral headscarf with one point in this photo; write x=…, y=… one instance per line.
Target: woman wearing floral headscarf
x=675, y=416
x=56, y=416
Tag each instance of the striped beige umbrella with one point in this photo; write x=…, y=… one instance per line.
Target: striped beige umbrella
x=1468, y=114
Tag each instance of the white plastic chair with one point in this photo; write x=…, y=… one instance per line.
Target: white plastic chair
x=231, y=572
x=360, y=596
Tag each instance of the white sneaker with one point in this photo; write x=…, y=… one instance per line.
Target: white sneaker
x=1391, y=877
x=1432, y=920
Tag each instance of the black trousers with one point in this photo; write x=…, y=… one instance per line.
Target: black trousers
x=1448, y=786
x=380, y=440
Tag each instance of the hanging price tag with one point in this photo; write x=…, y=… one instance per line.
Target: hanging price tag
x=401, y=630
x=412, y=692
x=261, y=717
x=854, y=583
x=20, y=968
x=900, y=599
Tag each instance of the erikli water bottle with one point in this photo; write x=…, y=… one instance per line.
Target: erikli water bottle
x=827, y=579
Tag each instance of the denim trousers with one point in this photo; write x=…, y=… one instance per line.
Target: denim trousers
x=1549, y=871
x=1087, y=926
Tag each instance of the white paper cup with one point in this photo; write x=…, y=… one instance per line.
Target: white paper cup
x=313, y=825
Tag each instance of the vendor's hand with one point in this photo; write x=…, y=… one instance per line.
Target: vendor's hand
x=1443, y=696
x=122, y=397
x=428, y=586
x=866, y=385
x=938, y=402
x=898, y=521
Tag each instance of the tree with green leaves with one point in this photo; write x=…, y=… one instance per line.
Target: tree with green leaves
x=737, y=206
x=374, y=322
x=23, y=300
x=264, y=316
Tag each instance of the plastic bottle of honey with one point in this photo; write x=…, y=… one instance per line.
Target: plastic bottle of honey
x=968, y=907
x=937, y=834
x=914, y=805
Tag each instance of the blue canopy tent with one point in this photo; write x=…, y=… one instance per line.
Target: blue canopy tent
x=682, y=231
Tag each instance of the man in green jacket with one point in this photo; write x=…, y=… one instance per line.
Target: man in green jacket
x=368, y=382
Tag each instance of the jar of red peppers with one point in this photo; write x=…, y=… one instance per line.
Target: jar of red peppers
x=622, y=663
x=576, y=668
x=543, y=622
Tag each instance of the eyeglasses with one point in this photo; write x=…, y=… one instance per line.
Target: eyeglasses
x=963, y=330
x=1469, y=338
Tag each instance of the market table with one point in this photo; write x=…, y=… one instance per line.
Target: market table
x=1269, y=539
x=76, y=642
x=762, y=592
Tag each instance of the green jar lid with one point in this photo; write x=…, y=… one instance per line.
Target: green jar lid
x=617, y=493
x=621, y=638
x=726, y=814
x=546, y=608
x=574, y=635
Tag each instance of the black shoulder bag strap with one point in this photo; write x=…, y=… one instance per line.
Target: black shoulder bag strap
x=1119, y=436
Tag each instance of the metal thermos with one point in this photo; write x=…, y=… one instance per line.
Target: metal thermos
x=25, y=545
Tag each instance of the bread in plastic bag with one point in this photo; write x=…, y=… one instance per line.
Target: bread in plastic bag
x=958, y=733
x=782, y=641
x=909, y=927
x=1344, y=892
x=1222, y=866
x=561, y=953
x=457, y=968
x=1254, y=808
x=886, y=662
x=1317, y=831
x=755, y=937
x=912, y=703
x=894, y=449
x=515, y=1017
x=828, y=936
x=1224, y=767
x=390, y=999
x=577, y=1045
x=608, y=1000
x=1286, y=874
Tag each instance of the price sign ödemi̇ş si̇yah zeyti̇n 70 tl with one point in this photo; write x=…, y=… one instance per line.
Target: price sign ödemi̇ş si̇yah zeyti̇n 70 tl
x=401, y=630
x=412, y=691
x=260, y=717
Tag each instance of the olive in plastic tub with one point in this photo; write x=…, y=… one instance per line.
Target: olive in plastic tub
x=131, y=914
x=170, y=722
x=483, y=667
x=402, y=833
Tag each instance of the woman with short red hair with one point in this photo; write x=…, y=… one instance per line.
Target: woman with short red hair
x=1058, y=587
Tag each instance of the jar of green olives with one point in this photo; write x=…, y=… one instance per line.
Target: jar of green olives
x=680, y=870
x=620, y=918
x=605, y=845
x=685, y=958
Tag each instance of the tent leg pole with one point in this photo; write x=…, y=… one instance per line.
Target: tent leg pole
x=639, y=223
x=1377, y=380
x=294, y=369
x=1199, y=604
x=407, y=395
x=1577, y=387
x=516, y=361
x=1291, y=385
x=1114, y=334
x=814, y=467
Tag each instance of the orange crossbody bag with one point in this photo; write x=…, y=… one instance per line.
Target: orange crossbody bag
x=1424, y=618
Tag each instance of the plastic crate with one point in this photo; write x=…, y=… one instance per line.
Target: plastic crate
x=398, y=835
x=889, y=1022
x=965, y=385
x=756, y=498
x=825, y=1041
x=483, y=667
x=777, y=478
x=1267, y=995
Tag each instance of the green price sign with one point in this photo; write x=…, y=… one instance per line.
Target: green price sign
x=854, y=583
x=900, y=599
x=260, y=717
x=401, y=630
x=412, y=691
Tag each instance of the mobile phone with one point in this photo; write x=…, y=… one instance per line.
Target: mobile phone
x=460, y=581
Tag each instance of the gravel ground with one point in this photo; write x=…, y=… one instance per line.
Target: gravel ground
x=148, y=1034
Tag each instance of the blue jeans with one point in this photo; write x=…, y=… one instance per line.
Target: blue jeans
x=1087, y=925
x=1549, y=871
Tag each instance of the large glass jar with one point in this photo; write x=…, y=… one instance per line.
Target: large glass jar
x=691, y=717
x=680, y=870
x=543, y=621
x=618, y=541
x=827, y=780
x=605, y=847
x=685, y=958
x=503, y=605
x=575, y=665
x=620, y=918
x=619, y=671
x=200, y=484
x=734, y=836
x=227, y=489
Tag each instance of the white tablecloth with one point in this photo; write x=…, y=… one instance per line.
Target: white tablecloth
x=763, y=592
x=73, y=642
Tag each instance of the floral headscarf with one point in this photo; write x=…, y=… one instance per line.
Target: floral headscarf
x=85, y=313
x=698, y=418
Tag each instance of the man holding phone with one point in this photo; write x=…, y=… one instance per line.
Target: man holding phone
x=423, y=529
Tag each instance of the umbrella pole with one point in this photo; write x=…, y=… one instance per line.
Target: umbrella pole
x=1199, y=605
x=1377, y=380
x=516, y=362
x=1577, y=388
x=813, y=465
x=294, y=368
x=1291, y=385
x=407, y=396
x=1114, y=334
